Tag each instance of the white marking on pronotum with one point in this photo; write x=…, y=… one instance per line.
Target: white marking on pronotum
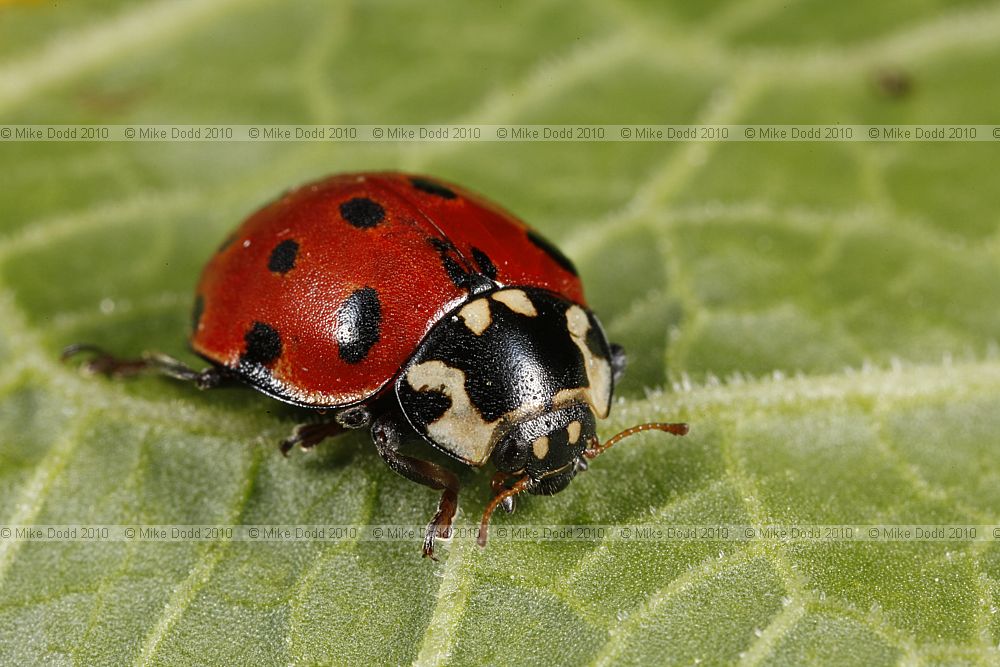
x=598, y=369
x=476, y=315
x=517, y=301
x=540, y=447
x=573, y=431
x=461, y=428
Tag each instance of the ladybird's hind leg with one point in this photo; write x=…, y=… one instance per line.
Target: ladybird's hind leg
x=386, y=434
x=107, y=364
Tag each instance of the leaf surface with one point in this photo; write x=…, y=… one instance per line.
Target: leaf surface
x=823, y=314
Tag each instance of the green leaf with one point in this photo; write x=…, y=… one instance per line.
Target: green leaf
x=823, y=314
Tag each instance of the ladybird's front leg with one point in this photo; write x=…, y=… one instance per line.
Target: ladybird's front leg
x=386, y=434
x=109, y=365
x=498, y=485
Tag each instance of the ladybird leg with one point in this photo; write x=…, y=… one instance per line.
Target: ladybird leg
x=386, y=436
x=107, y=364
x=356, y=416
x=618, y=362
x=498, y=485
x=307, y=436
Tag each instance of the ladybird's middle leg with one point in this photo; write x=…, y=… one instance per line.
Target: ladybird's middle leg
x=307, y=436
x=387, y=438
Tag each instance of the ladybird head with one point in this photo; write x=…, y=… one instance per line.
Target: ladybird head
x=549, y=448
x=548, y=480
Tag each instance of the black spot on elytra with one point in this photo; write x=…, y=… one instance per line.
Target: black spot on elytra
x=283, y=256
x=228, y=241
x=456, y=272
x=459, y=272
x=439, y=244
x=475, y=283
x=359, y=324
x=362, y=212
x=432, y=188
x=485, y=264
x=196, y=312
x=263, y=344
x=555, y=253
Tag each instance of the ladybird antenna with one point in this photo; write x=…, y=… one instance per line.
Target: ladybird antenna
x=598, y=448
x=518, y=487
x=595, y=450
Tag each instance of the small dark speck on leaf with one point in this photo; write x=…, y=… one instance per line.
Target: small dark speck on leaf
x=894, y=82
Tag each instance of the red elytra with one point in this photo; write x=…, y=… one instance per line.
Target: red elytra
x=402, y=253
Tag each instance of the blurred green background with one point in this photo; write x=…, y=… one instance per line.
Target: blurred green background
x=824, y=314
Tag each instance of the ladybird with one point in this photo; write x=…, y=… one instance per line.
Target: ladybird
x=415, y=309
